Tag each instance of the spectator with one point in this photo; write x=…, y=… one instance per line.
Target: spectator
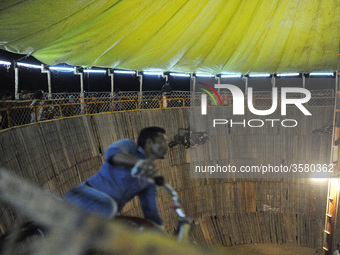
x=117, y=98
x=6, y=95
x=25, y=95
x=225, y=98
x=164, y=100
x=5, y=108
x=166, y=88
x=23, y=113
x=70, y=107
x=36, y=106
x=93, y=105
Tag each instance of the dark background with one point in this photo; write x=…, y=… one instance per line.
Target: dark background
x=32, y=79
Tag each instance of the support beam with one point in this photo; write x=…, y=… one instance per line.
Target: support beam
x=218, y=82
x=49, y=86
x=193, y=92
x=246, y=80
x=337, y=74
x=82, y=97
x=16, y=80
x=166, y=77
x=140, y=96
x=330, y=235
x=273, y=80
x=303, y=81
x=112, y=75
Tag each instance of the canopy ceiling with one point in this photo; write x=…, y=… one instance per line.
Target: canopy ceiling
x=213, y=36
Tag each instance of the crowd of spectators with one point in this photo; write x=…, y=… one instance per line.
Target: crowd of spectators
x=27, y=109
x=34, y=107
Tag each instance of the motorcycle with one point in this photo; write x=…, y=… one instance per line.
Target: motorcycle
x=183, y=227
x=26, y=232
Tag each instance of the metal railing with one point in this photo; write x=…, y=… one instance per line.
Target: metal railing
x=18, y=113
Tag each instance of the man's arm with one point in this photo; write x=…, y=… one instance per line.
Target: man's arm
x=145, y=167
x=123, y=149
x=123, y=158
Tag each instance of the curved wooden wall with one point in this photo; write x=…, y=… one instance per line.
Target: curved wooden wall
x=60, y=154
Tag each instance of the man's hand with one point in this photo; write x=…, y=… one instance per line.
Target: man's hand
x=149, y=169
x=144, y=167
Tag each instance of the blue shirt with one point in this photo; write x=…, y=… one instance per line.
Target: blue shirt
x=117, y=182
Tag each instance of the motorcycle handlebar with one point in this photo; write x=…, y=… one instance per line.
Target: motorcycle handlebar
x=160, y=181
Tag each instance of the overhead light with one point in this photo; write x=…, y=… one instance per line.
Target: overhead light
x=231, y=75
x=5, y=62
x=204, y=75
x=152, y=73
x=124, y=72
x=259, y=75
x=29, y=65
x=287, y=74
x=180, y=74
x=94, y=71
x=63, y=69
x=321, y=74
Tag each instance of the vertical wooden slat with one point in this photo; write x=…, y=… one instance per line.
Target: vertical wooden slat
x=60, y=154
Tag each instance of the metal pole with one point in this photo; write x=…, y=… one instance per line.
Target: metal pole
x=166, y=77
x=337, y=80
x=48, y=72
x=330, y=240
x=218, y=82
x=16, y=83
x=330, y=234
x=140, y=76
x=111, y=74
x=81, y=75
x=303, y=81
x=193, y=78
x=246, y=85
x=273, y=81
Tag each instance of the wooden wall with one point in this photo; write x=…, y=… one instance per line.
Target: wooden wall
x=60, y=154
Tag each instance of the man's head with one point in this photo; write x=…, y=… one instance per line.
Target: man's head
x=153, y=141
x=39, y=94
x=25, y=94
x=71, y=98
x=6, y=95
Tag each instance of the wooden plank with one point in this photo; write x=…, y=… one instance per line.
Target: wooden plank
x=60, y=154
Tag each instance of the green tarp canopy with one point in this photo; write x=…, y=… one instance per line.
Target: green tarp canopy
x=214, y=36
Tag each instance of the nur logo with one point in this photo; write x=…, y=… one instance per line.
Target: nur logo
x=204, y=88
x=238, y=99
